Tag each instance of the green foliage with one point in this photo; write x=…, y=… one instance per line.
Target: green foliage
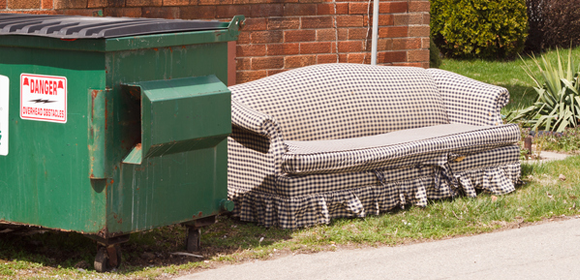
x=508, y=74
x=557, y=106
x=567, y=141
x=434, y=56
x=479, y=28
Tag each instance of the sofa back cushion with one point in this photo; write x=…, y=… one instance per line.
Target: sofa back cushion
x=338, y=101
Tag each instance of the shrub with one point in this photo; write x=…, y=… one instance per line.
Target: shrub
x=557, y=106
x=553, y=23
x=479, y=28
x=535, y=39
x=434, y=55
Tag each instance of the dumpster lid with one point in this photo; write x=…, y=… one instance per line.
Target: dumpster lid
x=79, y=27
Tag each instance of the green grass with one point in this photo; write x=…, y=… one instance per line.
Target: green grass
x=147, y=255
x=508, y=74
x=543, y=196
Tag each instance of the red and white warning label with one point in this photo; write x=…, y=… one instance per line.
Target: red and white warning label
x=43, y=98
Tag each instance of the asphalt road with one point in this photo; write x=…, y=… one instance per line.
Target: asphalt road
x=547, y=251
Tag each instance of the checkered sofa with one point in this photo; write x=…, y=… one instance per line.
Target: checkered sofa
x=348, y=140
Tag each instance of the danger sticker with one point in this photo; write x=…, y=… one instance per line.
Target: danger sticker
x=43, y=98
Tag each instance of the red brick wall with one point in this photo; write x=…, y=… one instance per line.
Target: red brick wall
x=280, y=34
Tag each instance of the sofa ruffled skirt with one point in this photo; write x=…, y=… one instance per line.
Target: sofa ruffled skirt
x=307, y=200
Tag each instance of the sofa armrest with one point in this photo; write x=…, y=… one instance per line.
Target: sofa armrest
x=263, y=125
x=469, y=101
x=257, y=122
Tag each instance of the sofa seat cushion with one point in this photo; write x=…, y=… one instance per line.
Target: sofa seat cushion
x=396, y=149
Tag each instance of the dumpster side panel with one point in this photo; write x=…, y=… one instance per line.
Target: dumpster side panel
x=44, y=177
x=125, y=67
x=169, y=188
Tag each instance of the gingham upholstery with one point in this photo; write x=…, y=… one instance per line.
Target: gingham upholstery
x=322, y=102
x=469, y=101
x=362, y=153
x=312, y=144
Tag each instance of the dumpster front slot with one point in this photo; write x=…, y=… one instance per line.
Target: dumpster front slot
x=181, y=115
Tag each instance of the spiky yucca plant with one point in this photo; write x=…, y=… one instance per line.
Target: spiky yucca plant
x=558, y=103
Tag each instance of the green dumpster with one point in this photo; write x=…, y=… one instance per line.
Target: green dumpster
x=110, y=126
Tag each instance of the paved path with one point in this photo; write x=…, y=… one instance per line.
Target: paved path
x=546, y=156
x=546, y=251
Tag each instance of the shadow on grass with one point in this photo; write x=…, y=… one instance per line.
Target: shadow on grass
x=520, y=96
x=143, y=251
x=45, y=247
x=527, y=169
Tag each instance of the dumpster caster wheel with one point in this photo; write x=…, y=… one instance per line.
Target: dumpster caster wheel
x=192, y=242
x=108, y=258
